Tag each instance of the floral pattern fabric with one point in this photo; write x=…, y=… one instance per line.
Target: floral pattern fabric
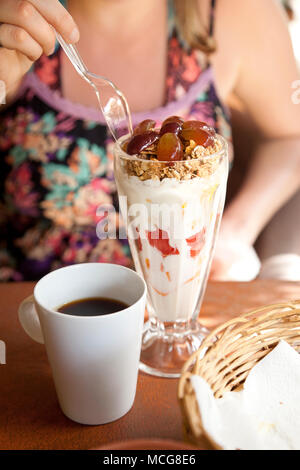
x=56, y=171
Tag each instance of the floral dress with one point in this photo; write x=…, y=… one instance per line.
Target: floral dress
x=56, y=164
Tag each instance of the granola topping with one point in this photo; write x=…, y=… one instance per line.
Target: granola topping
x=171, y=155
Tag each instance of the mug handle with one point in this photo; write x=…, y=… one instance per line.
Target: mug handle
x=29, y=320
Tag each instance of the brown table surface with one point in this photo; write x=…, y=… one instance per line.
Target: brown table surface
x=30, y=417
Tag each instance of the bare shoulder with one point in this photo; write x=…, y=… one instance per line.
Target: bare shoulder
x=247, y=17
x=254, y=52
x=245, y=30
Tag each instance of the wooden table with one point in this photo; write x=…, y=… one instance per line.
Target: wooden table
x=30, y=417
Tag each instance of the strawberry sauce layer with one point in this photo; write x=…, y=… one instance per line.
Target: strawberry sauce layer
x=196, y=243
x=159, y=239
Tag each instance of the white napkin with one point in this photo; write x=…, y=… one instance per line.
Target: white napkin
x=264, y=415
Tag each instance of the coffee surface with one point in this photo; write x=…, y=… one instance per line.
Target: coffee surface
x=92, y=307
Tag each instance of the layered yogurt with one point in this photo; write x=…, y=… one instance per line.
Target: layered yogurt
x=173, y=209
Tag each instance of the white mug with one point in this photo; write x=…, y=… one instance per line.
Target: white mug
x=95, y=359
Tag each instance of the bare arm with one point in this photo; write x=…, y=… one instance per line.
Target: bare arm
x=273, y=177
x=255, y=61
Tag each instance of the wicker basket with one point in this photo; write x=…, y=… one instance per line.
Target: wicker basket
x=227, y=355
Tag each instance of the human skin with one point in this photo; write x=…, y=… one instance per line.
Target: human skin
x=254, y=62
x=26, y=33
x=265, y=72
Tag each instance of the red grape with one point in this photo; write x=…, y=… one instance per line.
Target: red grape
x=198, y=125
x=144, y=126
x=177, y=119
x=140, y=142
x=169, y=148
x=173, y=127
x=200, y=136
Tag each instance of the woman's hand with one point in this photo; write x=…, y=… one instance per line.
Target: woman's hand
x=26, y=33
x=234, y=258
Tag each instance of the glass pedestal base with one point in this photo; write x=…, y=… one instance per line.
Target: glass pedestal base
x=167, y=345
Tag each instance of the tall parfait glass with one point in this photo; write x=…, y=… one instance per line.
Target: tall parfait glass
x=172, y=212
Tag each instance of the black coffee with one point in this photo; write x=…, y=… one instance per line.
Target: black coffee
x=92, y=307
